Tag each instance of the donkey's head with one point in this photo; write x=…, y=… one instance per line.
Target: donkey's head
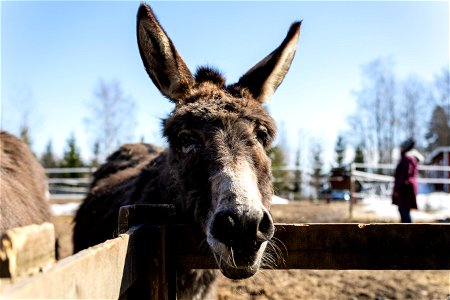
x=218, y=137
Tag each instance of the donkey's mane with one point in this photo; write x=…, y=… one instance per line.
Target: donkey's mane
x=210, y=74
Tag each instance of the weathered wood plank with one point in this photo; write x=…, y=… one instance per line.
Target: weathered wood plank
x=366, y=246
x=339, y=246
x=319, y=246
x=26, y=250
x=105, y=271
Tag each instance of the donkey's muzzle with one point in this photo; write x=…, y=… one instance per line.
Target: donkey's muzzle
x=243, y=232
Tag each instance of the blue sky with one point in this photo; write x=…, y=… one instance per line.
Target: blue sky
x=53, y=55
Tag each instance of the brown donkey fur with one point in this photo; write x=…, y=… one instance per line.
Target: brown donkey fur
x=215, y=170
x=23, y=185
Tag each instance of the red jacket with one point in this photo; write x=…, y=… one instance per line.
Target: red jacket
x=405, y=185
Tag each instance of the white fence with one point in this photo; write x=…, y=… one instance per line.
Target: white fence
x=429, y=175
x=63, y=186
x=69, y=183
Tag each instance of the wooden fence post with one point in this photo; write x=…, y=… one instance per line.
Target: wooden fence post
x=352, y=190
x=156, y=268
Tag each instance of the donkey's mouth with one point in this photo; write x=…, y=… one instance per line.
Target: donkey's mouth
x=239, y=272
x=237, y=263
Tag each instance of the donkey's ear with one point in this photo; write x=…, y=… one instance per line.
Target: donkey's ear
x=161, y=60
x=263, y=79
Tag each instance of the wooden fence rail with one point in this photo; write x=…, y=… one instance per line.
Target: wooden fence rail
x=142, y=262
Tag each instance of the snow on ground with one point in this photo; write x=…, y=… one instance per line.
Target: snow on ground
x=431, y=207
x=70, y=208
x=279, y=200
x=65, y=209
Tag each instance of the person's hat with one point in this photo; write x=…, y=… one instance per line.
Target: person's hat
x=407, y=145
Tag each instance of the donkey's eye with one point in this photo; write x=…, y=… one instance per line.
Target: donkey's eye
x=188, y=141
x=262, y=134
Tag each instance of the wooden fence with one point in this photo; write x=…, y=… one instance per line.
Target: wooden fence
x=142, y=261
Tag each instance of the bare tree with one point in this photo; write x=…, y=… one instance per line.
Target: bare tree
x=359, y=135
x=377, y=110
x=389, y=111
x=112, y=117
x=21, y=116
x=413, y=110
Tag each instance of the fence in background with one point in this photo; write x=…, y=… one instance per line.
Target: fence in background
x=69, y=183
x=73, y=183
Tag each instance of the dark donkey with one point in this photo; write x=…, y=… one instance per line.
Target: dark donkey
x=215, y=170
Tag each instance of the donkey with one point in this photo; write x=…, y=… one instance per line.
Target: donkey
x=23, y=185
x=215, y=170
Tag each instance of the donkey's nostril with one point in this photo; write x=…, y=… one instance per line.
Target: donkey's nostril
x=223, y=227
x=266, y=226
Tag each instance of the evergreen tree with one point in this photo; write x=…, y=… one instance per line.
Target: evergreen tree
x=438, y=130
x=297, y=188
x=25, y=135
x=317, y=168
x=280, y=175
x=48, y=158
x=442, y=84
x=359, y=156
x=339, y=149
x=96, y=151
x=72, y=157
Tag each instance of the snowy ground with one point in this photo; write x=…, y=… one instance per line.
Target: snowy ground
x=66, y=209
x=431, y=207
x=71, y=207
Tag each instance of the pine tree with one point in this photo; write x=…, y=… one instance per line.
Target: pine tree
x=317, y=168
x=96, y=152
x=72, y=157
x=48, y=158
x=281, y=179
x=359, y=156
x=438, y=130
x=339, y=149
x=297, y=188
x=25, y=135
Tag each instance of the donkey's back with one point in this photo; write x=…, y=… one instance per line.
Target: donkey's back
x=23, y=185
x=116, y=183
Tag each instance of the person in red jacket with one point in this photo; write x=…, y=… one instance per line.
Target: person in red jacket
x=405, y=185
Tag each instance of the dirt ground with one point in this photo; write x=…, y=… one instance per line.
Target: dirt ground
x=317, y=284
